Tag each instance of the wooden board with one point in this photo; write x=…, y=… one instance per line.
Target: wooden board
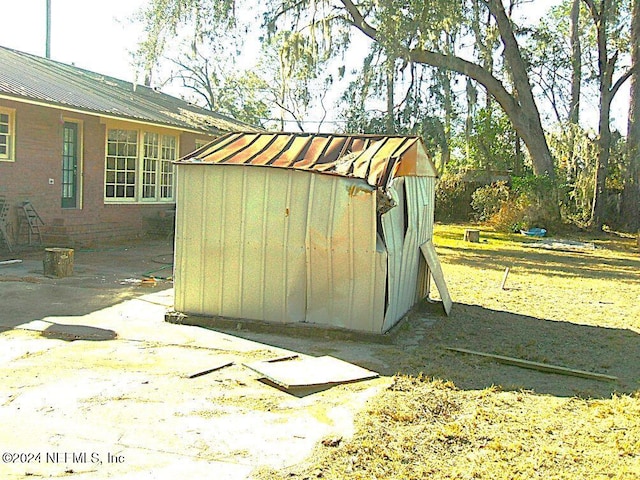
x=213, y=368
x=312, y=371
x=543, y=367
x=429, y=253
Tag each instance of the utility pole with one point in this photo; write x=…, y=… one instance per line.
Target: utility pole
x=48, y=39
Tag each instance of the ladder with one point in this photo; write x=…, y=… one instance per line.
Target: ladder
x=4, y=213
x=30, y=221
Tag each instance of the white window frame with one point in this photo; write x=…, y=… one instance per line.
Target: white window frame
x=155, y=148
x=10, y=135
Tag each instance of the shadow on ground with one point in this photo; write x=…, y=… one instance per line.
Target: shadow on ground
x=72, y=333
x=419, y=347
x=547, y=262
x=102, y=277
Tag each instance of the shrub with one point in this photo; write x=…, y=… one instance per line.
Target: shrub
x=488, y=200
x=452, y=198
x=529, y=202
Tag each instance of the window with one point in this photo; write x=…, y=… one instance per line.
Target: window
x=150, y=166
x=7, y=135
x=139, y=166
x=166, y=166
x=122, y=156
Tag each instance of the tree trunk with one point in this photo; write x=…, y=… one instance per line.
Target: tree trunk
x=576, y=63
x=598, y=209
x=631, y=193
x=606, y=66
x=531, y=129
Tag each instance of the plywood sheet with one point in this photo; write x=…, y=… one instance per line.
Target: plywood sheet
x=429, y=253
x=311, y=371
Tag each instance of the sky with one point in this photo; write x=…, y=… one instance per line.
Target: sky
x=92, y=34
x=98, y=35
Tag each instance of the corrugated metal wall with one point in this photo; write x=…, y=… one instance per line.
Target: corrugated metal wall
x=405, y=228
x=278, y=245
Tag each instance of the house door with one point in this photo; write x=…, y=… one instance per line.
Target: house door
x=70, y=165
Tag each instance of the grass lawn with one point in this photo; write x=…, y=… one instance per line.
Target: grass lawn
x=450, y=415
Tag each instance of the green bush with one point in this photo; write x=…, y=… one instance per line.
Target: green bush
x=529, y=202
x=452, y=198
x=488, y=200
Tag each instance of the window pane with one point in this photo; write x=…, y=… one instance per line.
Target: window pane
x=121, y=165
x=6, y=135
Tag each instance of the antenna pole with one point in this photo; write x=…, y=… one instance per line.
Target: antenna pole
x=48, y=40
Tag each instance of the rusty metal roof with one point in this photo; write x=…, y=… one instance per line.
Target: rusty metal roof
x=31, y=78
x=372, y=158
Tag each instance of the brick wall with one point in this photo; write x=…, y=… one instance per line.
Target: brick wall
x=38, y=158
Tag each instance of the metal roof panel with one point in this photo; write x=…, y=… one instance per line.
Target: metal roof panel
x=373, y=158
x=27, y=77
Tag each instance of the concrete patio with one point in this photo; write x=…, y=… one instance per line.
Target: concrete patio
x=95, y=384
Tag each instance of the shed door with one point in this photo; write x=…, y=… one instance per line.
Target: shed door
x=70, y=165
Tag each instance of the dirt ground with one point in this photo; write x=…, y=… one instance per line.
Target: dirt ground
x=578, y=309
x=477, y=418
x=80, y=354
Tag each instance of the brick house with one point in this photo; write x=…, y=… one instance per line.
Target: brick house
x=93, y=154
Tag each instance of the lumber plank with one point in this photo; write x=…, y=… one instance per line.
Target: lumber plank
x=543, y=367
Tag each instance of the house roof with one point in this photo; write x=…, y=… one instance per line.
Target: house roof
x=373, y=158
x=26, y=77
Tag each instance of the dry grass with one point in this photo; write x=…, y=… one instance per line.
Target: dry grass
x=576, y=309
x=421, y=428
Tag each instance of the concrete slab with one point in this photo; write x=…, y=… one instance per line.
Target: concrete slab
x=94, y=384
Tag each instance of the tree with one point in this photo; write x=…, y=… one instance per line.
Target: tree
x=631, y=194
x=219, y=86
x=415, y=44
x=576, y=63
x=412, y=31
x=608, y=32
x=205, y=46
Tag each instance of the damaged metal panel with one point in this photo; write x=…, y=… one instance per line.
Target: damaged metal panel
x=393, y=227
x=373, y=158
x=405, y=228
x=342, y=266
x=426, y=194
x=279, y=245
x=331, y=236
x=418, y=204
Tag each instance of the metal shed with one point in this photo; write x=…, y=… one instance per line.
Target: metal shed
x=316, y=228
